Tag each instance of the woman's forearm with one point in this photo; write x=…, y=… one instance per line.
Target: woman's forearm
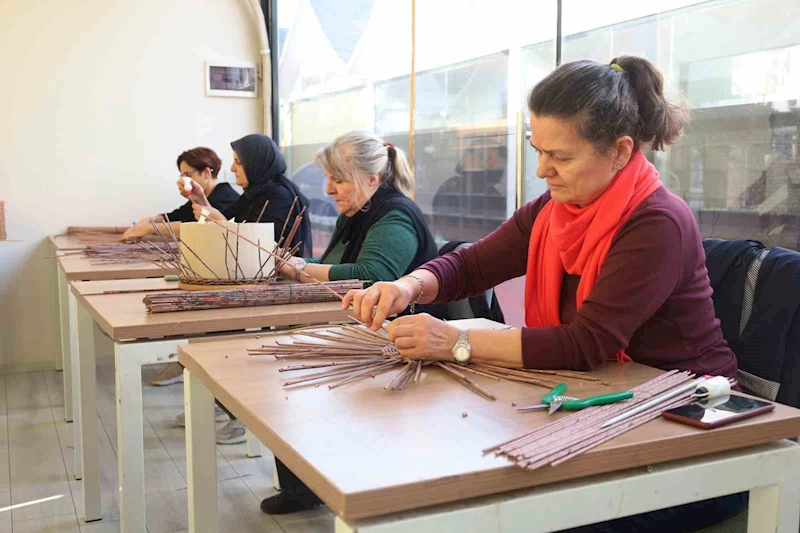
x=429, y=287
x=497, y=347
x=319, y=272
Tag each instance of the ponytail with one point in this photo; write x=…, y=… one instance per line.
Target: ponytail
x=361, y=153
x=398, y=172
x=661, y=122
x=625, y=97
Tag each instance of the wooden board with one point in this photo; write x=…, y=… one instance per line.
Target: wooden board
x=86, y=288
x=123, y=317
x=79, y=268
x=67, y=242
x=197, y=287
x=367, y=451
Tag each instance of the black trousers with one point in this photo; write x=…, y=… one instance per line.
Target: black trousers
x=287, y=479
x=682, y=519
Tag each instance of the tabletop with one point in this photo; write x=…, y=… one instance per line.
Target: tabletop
x=80, y=268
x=124, y=316
x=367, y=451
x=67, y=242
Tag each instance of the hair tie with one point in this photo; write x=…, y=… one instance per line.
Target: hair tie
x=617, y=68
x=388, y=145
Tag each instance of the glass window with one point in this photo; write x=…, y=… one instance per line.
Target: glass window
x=738, y=65
x=468, y=93
x=330, y=54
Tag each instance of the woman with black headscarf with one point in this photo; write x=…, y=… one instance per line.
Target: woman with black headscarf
x=259, y=168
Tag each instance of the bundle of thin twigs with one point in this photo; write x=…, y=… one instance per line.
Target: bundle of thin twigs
x=275, y=294
x=75, y=230
x=577, y=433
x=345, y=354
x=125, y=253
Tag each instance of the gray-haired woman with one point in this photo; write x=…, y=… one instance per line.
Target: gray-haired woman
x=380, y=235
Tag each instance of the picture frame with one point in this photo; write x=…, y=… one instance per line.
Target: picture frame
x=232, y=78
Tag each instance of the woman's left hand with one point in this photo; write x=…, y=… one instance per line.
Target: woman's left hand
x=423, y=337
x=287, y=269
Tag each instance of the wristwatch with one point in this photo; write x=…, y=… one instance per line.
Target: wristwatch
x=299, y=265
x=462, y=351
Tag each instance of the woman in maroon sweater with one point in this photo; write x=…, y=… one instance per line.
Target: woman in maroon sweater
x=649, y=297
x=614, y=262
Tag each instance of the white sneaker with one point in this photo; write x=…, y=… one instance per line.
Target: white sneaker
x=231, y=433
x=219, y=416
x=172, y=373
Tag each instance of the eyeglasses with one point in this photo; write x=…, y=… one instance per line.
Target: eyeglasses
x=187, y=174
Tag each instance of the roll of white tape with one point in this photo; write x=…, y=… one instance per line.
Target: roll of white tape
x=187, y=184
x=713, y=387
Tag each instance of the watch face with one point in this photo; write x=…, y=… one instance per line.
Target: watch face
x=461, y=354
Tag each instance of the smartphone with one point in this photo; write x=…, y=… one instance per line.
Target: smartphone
x=711, y=414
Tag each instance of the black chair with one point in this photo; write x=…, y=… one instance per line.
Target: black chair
x=757, y=300
x=481, y=306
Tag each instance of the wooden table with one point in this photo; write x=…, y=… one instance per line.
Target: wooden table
x=69, y=268
x=61, y=243
x=371, y=454
x=139, y=339
x=67, y=242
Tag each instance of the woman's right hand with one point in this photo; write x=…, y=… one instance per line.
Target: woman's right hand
x=197, y=195
x=213, y=214
x=142, y=229
x=387, y=298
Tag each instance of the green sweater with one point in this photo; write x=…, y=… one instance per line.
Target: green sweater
x=388, y=249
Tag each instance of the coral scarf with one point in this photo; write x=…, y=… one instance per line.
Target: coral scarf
x=577, y=240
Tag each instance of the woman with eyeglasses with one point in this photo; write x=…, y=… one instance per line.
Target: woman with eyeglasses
x=201, y=165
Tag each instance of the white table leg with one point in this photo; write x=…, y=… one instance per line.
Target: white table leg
x=343, y=527
x=775, y=508
x=276, y=481
x=86, y=436
x=58, y=361
x=201, y=456
x=253, y=448
x=130, y=441
x=128, y=359
x=65, y=298
x=74, y=364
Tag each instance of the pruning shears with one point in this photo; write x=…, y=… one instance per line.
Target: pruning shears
x=555, y=400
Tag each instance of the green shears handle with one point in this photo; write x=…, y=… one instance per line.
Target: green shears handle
x=558, y=390
x=592, y=401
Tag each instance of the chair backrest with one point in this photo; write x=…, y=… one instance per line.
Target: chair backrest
x=733, y=268
x=481, y=306
x=749, y=382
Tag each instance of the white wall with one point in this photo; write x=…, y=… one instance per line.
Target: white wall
x=98, y=98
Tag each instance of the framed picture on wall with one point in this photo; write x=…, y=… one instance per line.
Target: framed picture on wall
x=232, y=78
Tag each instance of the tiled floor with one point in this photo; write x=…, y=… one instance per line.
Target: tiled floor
x=36, y=463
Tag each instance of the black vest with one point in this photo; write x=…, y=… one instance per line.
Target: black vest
x=353, y=231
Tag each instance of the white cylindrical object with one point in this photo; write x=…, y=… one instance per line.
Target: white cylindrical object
x=218, y=259
x=655, y=401
x=714, y=387
x=187, y=184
